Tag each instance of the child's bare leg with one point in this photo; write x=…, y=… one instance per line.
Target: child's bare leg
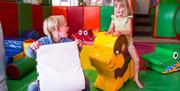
x=135, y=58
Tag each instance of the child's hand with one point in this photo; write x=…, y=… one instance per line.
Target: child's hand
x=78, y=42
x=115, y=33
x=35, y=45
x=108, y=32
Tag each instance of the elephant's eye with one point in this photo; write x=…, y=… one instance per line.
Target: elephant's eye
x=117, y=52
x=175, y=55
x=80, y=32
x=85, y=33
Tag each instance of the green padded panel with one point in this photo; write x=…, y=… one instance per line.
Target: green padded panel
x=168, y=1
x=47, y=2
x=46, y=11
x=165, y=22
x=105, y=17
x=151, y=80
x=21, y=84
x=152, y=12
x=24, y=17
x=177, y=26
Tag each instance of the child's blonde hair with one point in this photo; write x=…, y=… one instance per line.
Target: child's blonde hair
x=52, y=23
x=125, y=3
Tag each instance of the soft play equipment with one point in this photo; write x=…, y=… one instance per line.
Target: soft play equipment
x=20, y=67
x=168, y=1
x=163, y=60
x=61, y=65
x=10, y=53
x=59, y=10
x=3, y=86
x=30, y=35
x=152, y=81
x=24, y=17
x=84, y=57
x=164, y=22
x=172, y=46
x=37, y=19
x=177, y=23
x=92, y=17
x=112, y=61
x=22, y=83
x=9, y=19
x=74, y=19
x=13, y=47
x=47, y=2
x=26, y=43
x=105, y=17
x=85, y=35
x=18, y=56
x=46, y=11
x=13, y=43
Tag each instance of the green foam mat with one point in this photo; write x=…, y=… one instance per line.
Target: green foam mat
x=165, y=20
x=152, y=81
x=105, y=17
x=21, y=84
x=24, y=17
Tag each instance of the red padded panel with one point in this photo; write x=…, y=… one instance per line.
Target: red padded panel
x=92, y=17
x=37, y=19
x=74, y=19
x=59, y=10
x=131, y=4
x=9, y=19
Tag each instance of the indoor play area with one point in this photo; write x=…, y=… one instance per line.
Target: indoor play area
x=101, y=62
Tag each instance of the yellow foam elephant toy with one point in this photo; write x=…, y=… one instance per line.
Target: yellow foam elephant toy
x=112, y=61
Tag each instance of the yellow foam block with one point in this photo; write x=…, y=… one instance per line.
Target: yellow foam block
x=26, y=43
x=84, y=57
x=112, y=61
x=104, y=42
x=18, y=56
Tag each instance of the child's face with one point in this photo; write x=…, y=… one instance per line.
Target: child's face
x=119, y=10
x=60, y=32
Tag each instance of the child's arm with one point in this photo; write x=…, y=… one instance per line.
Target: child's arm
x=31, y=49
x=111, y=28
x=30, y=53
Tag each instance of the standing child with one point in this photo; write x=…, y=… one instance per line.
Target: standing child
x=121, y=24
x=55, y=27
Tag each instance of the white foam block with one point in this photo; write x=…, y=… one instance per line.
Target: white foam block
x=59, y=67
